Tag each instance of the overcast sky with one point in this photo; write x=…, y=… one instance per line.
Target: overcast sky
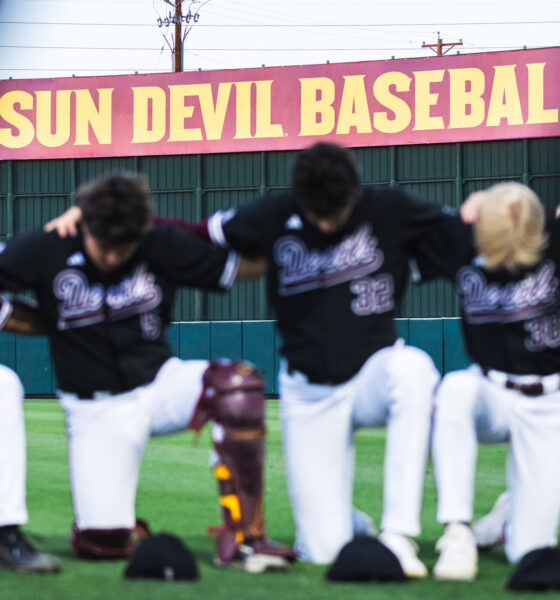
x=58, y=38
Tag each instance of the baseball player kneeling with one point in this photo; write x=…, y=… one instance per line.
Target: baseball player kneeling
x=16, y=552
x=507, y=280
x=105, y=296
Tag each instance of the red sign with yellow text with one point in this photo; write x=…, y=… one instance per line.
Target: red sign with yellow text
x=468, y=97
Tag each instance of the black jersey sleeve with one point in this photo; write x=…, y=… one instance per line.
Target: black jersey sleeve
x=244, y=229
x=553, y=232
x=190, y=261
x=415, y=217
x=22, y=260
x=445, y=249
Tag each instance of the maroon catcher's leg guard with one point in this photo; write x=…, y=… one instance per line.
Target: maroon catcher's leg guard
x=107, y=544
x=233, y=398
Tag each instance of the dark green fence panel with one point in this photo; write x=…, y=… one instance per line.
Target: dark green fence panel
x=32, y=212
x=428, y=335
x=279, y=168
x=167, y=173
x=226, y=340
x=194, y=340
x=429, y=162
x=259, y=347
x=232, y=170
x=37, y=177
x=454, y=352
x=8, y=350
x=5, y=189
x=33, y=365
x=91, y=168
x=374, y=164
x=488, y=160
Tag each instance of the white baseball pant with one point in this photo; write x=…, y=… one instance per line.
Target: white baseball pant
x=393, y=389
x=107, y=436
x=13, y=510
x=471, y=408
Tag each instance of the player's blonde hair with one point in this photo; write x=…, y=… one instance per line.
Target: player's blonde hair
x=509, y=228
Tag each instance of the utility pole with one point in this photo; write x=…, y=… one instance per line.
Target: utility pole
x=177, y=18
x=178, y=37
x=438, y=48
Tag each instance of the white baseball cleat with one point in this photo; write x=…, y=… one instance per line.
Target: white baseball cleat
x=406, y=552
x=489, y=530
x=458, y=556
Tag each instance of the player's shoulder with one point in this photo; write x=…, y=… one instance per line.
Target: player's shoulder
x=166, y=235
x=39, y=239
x=382, y=195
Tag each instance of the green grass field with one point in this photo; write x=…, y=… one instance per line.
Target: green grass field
x=178, y=494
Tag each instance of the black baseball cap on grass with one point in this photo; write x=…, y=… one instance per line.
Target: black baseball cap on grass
x=162, y=556
x=537, y=571
x=365, y=558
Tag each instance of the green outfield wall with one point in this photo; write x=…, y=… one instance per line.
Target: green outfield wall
x=239, y=323
x=194, y=186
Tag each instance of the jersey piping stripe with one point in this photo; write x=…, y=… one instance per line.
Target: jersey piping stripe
x=230, y=270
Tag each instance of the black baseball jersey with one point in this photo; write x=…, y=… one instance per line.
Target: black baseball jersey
x=108, y=330
x=511, y=321
x=333, y=294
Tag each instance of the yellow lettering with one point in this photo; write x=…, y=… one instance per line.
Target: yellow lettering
x=22, y=124
x=178, y=112
x=401, y=110
x=504, y=100
x=243, y=109
x=214, y=116
x=62, y=119
x=424, y=99
x=537, y=112
x=354, y=110
x=460, y=98
x=266, y=129
x=148, y=102
x=88, y=115
x=317, y=113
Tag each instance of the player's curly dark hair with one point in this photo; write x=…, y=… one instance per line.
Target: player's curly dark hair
x=116, y=209
x=325, y=179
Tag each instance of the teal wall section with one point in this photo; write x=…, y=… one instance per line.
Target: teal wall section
x=255, y=341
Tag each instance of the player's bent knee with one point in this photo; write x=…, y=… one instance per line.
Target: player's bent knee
x=456, y=394
x=107, y=544
x=418, y=364
x=232, y=395
x=10, y=383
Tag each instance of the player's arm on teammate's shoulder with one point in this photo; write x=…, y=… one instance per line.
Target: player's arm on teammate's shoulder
x=65, y=224
x=20, y=315
x=21, y=265
x=251, y=268
x=444, y=249
x=210, y=230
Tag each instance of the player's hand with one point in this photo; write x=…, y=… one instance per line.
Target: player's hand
x=67, y=223
x=470, y=207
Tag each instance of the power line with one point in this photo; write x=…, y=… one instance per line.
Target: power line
x=284, y=25
x=229, y=49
